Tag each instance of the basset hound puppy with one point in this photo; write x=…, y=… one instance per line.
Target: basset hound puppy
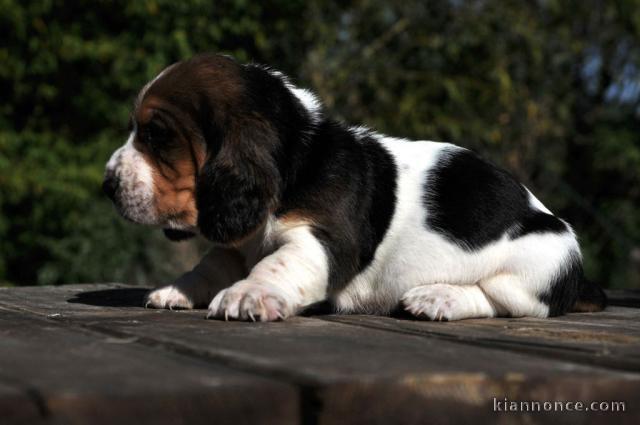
x=302, y=209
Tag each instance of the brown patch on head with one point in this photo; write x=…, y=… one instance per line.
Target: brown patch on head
x=169, y=130
x=208, y=78
x=205, y=129
x=175, y=189
x=175, y=158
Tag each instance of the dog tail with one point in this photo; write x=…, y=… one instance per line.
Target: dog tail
x=591, y=298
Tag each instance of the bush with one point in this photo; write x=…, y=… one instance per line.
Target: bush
x=547, y=89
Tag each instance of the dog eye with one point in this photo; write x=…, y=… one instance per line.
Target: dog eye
x=154, y=136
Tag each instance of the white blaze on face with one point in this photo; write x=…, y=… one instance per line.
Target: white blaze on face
x=135, y=193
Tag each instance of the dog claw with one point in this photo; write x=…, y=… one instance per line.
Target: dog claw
x=251, y=302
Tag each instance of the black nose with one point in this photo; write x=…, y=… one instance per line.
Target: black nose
x=110, y=186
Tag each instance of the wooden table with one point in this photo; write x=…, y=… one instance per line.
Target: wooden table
x=90, y=354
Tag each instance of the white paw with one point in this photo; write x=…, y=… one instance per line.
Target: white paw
x=169, y=297
x=437, y=302
x=247, y=300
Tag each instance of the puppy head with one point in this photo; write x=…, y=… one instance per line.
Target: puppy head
x=205, y=150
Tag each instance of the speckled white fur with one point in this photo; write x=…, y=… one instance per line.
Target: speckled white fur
x=294, y=275
x=136, y=187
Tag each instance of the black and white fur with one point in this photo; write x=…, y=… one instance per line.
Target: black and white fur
x=372, y=223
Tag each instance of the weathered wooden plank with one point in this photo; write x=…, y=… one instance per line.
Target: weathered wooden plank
x=610, y=338
x=613, y=316
x=572, y=338
x=82, y=377
x=349, y=371
x=348, y=366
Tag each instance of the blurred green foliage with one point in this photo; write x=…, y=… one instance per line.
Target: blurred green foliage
x=549, y=89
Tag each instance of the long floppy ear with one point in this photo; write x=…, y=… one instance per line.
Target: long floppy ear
x=239, y=184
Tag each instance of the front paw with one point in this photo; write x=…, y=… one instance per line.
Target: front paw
x=170, y=297
x=247, y=300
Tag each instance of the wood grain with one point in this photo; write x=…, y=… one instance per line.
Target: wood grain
x=92, y=354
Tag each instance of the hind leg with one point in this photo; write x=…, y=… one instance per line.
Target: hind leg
x=500, y=295
x=441, y=301
x=513, y=296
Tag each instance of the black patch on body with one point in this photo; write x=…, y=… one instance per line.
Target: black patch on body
x=343, y=184
x=279, y=160
x=565, y=288
x=347, y=186
x=590, y=298
x=538, y=222
x=473, y=203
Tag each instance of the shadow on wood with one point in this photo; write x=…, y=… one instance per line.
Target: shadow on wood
x=120, y=297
